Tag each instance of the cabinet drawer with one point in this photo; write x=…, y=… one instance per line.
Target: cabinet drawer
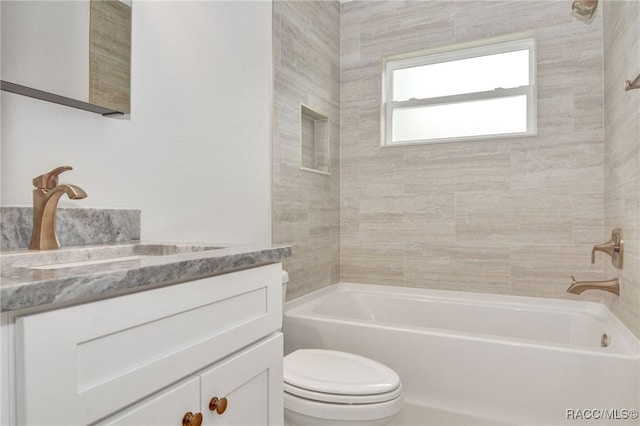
x=93, y=359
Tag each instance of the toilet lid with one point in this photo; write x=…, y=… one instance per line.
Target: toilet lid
x=344, y=375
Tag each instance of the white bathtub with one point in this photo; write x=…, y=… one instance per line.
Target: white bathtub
x=468, y=358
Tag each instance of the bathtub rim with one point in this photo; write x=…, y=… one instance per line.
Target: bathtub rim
x=292, y=309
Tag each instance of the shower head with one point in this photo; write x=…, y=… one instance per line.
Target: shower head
x=584, y=8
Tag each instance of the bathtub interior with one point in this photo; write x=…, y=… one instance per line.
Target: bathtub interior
x=453, y=376
x=559, y=323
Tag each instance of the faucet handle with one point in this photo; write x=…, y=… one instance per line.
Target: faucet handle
x=50, y=180
x=614, y=248
x=609, y=248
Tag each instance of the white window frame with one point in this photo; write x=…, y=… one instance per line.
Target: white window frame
x=487, y=47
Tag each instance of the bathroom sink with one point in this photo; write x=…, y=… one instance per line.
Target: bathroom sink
x=88, y=262
x=94, y=255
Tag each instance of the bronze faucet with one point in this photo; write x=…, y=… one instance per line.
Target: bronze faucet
x=45, y=201
x=577, y=287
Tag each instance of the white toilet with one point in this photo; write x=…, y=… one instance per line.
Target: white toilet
x=326, y=387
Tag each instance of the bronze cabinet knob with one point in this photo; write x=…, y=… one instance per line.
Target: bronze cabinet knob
x=218, y=405
x=190, y=419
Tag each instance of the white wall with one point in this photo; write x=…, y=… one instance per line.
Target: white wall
x=58, y=45
x=194, y=155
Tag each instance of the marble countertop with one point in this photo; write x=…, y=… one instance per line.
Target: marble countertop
x=22, y=286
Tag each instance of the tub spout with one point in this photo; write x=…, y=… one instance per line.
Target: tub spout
x=577, y=287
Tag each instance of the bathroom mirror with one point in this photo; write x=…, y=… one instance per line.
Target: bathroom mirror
x=76, y=53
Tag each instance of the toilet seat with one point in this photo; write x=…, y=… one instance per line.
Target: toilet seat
x=339, y=377
x=342, y=399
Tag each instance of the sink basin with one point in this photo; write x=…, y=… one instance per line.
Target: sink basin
x=94, y=255
x=88, y=262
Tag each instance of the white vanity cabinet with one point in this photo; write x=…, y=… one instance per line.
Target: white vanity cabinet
x=147, y=358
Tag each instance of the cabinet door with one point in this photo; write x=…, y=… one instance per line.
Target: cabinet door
x=167, y=408
x=251, y=382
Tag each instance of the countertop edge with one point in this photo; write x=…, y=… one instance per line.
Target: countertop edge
x=96, y=284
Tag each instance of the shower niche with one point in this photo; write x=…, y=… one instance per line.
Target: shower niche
x=314, y=141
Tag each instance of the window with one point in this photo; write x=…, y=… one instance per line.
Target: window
x=479, y=92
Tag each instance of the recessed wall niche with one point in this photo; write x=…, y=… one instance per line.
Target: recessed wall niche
x=314, y=141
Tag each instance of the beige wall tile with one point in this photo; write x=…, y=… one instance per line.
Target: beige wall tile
x=513, y=216
x=622, y=150
x=306, y=206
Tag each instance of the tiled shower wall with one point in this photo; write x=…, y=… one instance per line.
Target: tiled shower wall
x=622, y=149
x=306, y=205
x=511, y=216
